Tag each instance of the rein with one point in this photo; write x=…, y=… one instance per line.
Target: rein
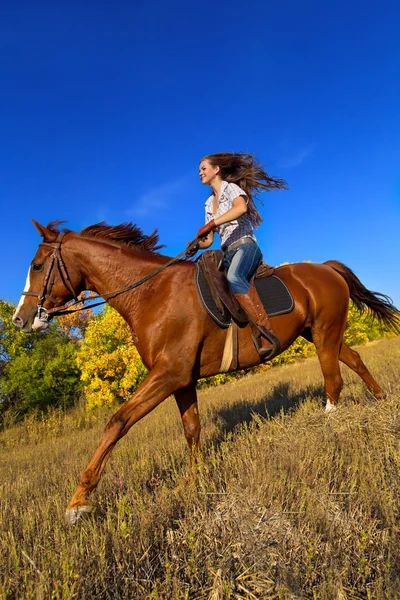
x=49, y=280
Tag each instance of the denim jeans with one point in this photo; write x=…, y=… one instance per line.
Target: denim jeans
x=241, y=263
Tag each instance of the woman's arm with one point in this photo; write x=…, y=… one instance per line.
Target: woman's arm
x=239, y=208
x=206, y=233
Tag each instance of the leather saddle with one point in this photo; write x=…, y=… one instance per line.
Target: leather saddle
x=210, y=262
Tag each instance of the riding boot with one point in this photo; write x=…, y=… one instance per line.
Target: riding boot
x=266, y=342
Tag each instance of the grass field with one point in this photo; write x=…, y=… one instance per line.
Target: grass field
x=286, y=502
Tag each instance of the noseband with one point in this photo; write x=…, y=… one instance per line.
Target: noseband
x=56, y=265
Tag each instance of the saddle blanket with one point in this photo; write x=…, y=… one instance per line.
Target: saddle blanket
x=273, y=293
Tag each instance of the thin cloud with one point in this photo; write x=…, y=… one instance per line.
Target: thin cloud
x=296, y=159
x=158, y=198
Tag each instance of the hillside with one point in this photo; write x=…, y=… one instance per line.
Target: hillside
x=286, y=501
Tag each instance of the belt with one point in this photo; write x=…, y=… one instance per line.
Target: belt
x=244, y=240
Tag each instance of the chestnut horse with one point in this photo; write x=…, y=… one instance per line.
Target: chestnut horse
x=176, y=338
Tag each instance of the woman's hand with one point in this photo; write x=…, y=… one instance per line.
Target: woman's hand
x=205, y=230
x=191, y=251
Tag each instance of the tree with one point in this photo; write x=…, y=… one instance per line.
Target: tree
x=46, y=375
x=110, y=364
x=12, y=340
x=363, y=328
x=74, y=325
x=356, y=328
x=37, y=369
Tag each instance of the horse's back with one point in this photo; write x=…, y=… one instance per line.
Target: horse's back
x=315, y=286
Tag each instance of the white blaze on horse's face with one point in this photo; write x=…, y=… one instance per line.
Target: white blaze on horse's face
x=17, y=320
x=26, y=289
x=39, y=322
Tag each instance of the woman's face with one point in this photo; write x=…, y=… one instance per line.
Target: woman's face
x=208, y=173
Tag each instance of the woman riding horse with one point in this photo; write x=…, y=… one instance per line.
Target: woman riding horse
x=230, y=210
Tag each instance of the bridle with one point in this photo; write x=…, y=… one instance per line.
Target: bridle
x=57, y=265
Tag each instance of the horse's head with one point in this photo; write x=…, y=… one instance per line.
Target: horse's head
x=50, y=282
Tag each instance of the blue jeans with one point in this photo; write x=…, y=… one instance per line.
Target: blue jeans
x=241, y=263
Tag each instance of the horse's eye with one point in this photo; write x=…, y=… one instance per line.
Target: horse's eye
x=37, y=267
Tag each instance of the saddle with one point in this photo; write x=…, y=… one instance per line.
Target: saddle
x=224, y=309
x=225, y=301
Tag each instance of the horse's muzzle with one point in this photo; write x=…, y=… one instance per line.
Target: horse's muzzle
x=36, y=321
x=17, y=321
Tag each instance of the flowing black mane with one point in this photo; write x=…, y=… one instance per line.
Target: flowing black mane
x=125, y=234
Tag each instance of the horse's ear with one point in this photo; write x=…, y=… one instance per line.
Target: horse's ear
x=47, y=234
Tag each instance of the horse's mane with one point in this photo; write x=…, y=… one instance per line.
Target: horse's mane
x=125, y=234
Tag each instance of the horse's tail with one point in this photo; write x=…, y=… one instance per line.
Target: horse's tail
x=379, y=306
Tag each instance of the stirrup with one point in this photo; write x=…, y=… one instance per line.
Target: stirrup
x=266, y=353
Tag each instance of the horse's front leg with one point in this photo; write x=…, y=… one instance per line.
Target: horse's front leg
x=157, y=386
x=186, y=399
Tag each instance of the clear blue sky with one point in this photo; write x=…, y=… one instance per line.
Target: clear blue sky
x=107, y=108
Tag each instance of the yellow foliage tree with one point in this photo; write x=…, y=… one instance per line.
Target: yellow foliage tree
x=357, y=327
x=110, y=364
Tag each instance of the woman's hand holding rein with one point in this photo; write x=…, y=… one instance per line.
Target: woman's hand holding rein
x=206, y=229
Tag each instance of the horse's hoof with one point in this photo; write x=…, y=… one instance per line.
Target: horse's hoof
x=329, y=407
x=72, y=515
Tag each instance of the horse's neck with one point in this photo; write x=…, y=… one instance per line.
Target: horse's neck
x=107, y=268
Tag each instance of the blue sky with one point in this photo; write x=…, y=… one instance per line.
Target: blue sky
x=106, y=110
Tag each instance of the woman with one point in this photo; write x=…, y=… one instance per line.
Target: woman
x=230, y=210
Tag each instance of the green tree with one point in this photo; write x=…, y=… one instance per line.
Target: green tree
x=45, y=375
x=36, y=369
x=12, y=340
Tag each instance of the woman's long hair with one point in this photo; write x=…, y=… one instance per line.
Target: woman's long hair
x=245, y=170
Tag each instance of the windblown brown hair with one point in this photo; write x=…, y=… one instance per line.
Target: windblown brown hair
x=245, y=170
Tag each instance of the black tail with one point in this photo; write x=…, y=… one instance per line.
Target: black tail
x=379, y=306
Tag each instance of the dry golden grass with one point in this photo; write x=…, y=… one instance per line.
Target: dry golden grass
x=295, y=505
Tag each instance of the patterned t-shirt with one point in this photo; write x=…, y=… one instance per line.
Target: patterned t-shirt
x=234, y=230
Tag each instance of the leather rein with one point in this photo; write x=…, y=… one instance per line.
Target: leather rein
x=57, y=265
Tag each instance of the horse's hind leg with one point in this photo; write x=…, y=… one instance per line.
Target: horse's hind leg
x=352, y=359
x=327, y=341
x=186, y=399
